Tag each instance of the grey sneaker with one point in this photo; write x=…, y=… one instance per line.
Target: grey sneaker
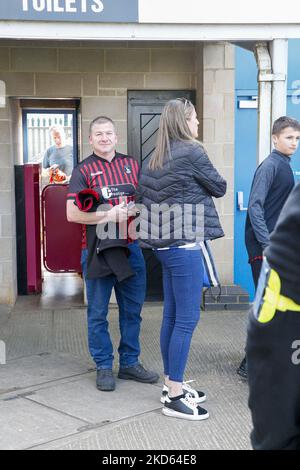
x=139, y=374
x=105, y=380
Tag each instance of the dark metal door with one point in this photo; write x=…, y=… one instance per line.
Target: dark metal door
x=144, y=111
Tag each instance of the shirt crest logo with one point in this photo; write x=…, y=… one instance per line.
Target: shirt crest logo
x=127, y=170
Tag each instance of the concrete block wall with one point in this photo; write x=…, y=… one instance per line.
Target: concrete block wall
x=218, y=138
x=100, y=73
x=8, y=271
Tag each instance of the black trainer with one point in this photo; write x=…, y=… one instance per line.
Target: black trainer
x=139, y=374
x=242, y=369
x=184, y=407
x=105, y=380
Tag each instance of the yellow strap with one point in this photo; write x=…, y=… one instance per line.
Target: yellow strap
x=273, y=300
x=285, y=304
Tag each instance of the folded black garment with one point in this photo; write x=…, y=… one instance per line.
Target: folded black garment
x=107, y=257
x=87, y=200
x=117, y=260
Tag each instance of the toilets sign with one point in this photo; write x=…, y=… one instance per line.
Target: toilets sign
x=104, y=11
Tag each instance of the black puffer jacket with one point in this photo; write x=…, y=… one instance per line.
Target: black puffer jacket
x=188, y=180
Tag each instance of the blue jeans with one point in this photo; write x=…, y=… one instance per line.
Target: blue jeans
x=130, y=295
x=183, y=281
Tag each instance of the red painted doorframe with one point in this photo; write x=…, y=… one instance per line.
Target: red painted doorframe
x=33, y=228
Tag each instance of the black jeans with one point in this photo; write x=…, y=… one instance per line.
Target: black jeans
x=256, y=268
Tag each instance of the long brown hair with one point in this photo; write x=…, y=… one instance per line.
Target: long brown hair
x=173, y=126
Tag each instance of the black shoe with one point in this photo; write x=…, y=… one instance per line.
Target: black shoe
x=242, y=369
x=139, y=374
x=184, y=407
x=105, y=380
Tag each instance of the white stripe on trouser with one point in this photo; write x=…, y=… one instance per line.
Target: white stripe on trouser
x=209, y=264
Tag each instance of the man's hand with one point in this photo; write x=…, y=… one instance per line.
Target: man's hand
x=118, y=213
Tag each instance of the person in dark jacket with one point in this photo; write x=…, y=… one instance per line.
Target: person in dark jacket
x=273, y=343
x=179, y=182
x=272, y=184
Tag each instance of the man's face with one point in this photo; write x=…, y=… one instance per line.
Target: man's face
x=103, y=139
x=287, y=141
x=57, y=138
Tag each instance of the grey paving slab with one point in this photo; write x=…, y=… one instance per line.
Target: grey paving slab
x=24, y=424
x=81, y=399
x=35, y=370
x=49, y=364
x=4, y=315
x=27, y=333
x=217, y=346
x=70, y=332
x=61, y=290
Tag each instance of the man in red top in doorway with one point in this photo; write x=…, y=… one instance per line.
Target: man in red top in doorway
x=114, y=177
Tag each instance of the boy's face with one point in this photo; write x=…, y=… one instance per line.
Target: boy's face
x=287, y=141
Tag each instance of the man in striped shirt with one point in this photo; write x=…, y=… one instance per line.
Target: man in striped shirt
x=115, y=178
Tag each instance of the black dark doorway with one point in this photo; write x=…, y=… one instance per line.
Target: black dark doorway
x=144, y=111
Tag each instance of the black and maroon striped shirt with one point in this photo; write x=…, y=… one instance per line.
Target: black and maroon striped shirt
x=114, y=180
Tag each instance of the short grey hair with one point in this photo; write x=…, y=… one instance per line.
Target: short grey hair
x=101, y=120
x=57, y=128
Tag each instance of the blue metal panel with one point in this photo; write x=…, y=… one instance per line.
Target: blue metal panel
x=108, y=11
x=294, y=110
x=294, y=62
x=245, y=165
x=246, y=70
x=245, y=160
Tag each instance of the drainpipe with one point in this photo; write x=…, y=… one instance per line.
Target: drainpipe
x=264, y=65
x=279, y=54
x=272, y=80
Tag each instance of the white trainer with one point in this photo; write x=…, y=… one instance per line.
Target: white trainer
x=197, y=395
x=185, y=408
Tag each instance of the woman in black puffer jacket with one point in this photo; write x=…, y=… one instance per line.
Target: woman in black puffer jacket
x=178, y=212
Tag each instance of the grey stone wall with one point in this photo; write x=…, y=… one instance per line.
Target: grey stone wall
x=218, y=138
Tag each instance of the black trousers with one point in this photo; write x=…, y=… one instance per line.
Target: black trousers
x=273, y=358
x=256, y=267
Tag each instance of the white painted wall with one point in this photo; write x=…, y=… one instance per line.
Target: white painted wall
x=147, y=32
x=217, y=11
